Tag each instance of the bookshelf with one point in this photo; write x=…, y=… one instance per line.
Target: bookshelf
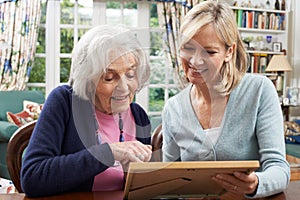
x=264, y=32
x=263, y=26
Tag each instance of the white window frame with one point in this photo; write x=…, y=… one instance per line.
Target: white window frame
x=52, y=52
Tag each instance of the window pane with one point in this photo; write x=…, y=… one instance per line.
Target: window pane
x=118, y=14
x=130, y=14
x=156, y=43
x=43, y=11
x=113, y=13
x=66, y=40
x=153, y=16
x=37, y=73
x=156, y=99
x=172, y=74
x=85, y=12
x=40, y=45
x=65, y=65
x=67, y=12
x=157, y=72
x=113, y=4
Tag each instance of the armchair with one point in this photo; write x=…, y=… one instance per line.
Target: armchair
x=12, y=101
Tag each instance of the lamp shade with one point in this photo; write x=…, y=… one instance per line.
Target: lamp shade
x=278, y=63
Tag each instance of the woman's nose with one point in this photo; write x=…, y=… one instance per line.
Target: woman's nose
x=122, y=84
x=196, y=60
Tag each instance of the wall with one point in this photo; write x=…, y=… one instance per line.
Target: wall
x=293, y=78
x=294, y=44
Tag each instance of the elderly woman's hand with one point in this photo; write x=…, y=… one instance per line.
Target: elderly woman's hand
x=132, y=151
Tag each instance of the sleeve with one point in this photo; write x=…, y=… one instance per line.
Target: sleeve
x=56, y=160
x=274, y=174
x=170, y=149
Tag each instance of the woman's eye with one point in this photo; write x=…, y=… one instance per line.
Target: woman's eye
x=189, y=49
x=108, y=78
x=211, y=52
x=130, y=74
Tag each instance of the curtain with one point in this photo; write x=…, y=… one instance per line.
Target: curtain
x=19, y=20
x=170, y=15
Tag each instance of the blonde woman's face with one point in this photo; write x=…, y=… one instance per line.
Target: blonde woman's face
x=203, y=56
x=116, y=88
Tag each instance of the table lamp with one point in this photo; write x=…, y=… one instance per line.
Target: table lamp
x=279, y=64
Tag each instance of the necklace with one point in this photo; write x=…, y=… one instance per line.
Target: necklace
x=121, y=137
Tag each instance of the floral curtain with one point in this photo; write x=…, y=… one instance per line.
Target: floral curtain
x=19, y=20
x=170, y=14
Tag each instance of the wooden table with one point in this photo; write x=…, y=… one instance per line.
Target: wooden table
x=291, y=193
x=286, y=111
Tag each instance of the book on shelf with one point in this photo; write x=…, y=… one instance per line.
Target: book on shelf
x=258, y=62
x=260, y=19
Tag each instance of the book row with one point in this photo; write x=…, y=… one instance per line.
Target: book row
x=260, y=20
x=259, y=62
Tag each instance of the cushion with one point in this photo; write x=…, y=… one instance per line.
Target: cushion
x=20, y=118
x=291, y=128
x=31, y=111
x=33, y=108
x=6, y=186
x=6, y=130
x=12, y=101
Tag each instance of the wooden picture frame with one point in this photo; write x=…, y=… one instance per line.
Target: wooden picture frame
x=193, y=179
x=277, y=46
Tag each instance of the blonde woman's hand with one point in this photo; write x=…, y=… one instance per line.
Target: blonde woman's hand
x=238, y=182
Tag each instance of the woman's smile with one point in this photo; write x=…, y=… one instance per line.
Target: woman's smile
x=120, y=98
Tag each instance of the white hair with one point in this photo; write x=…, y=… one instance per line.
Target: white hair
x=92, y=55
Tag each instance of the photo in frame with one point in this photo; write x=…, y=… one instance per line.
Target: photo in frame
x=277, y=46
x=292, y=93
x=173, y=180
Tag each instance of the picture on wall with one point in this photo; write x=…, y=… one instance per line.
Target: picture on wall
x=292, y=93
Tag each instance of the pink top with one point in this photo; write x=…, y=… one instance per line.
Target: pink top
x=113, y=177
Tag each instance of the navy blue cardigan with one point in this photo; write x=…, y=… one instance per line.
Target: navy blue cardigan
x=63, y=153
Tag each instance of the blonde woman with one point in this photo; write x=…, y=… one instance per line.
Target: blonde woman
x=224, y=113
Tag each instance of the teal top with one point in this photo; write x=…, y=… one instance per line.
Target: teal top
x=251, y=129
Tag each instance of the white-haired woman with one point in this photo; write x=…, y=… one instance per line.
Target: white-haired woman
x=224, y=113
x=90, y=129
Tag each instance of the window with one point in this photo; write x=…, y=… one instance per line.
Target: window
x=67, y=21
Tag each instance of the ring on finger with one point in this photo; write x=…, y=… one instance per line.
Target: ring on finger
x=140, y=156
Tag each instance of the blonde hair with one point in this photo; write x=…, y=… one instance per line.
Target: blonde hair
x=223, y=20
x=93, y=54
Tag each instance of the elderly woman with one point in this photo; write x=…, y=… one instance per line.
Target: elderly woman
x=89, y=130
x=224, y=113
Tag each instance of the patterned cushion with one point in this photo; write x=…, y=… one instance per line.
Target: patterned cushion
x=31, y=111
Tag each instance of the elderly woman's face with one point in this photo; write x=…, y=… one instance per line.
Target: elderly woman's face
x=116, y=87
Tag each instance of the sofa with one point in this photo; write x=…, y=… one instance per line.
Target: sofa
x=12, y=101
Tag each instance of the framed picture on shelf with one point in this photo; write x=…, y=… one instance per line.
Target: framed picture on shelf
x=292, y=93
x=277, y=46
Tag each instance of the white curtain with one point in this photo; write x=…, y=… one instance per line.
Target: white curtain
x=170, y=15
x=19, y=20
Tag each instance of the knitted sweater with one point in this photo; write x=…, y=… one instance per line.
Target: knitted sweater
x=251, y=129
x=64, y=153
